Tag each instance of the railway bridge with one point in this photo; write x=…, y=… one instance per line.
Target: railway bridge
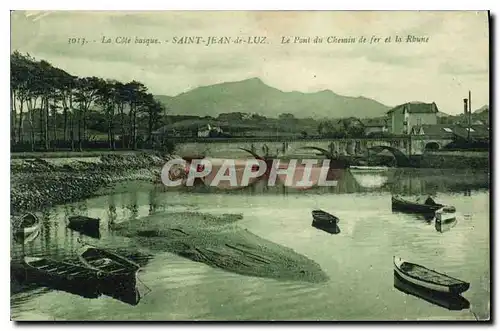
x=283, y=146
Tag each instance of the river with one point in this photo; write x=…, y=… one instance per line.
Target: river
x=358, y=260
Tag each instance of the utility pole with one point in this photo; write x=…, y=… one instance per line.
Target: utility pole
x=470, y=111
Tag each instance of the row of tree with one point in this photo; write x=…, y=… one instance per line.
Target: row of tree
x=41, y=94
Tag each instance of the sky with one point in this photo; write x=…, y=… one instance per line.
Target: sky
x=454, y=60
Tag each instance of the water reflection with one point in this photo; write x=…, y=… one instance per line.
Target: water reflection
x=445, y=226
x=394, y=180
x=279, y=214
x=448, y=301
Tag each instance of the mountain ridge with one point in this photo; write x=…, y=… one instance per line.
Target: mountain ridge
x=254, y=96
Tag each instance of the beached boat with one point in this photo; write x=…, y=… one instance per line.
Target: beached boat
x=27, y=225
x=429, y=207
x=114, y=269
x=61, y=275
x=445, y=215
x=445, y=226
x=445, y=300
x=325, y=221
x=421, y=276
x=321, y=216
x=59, y=270
x=85, y=225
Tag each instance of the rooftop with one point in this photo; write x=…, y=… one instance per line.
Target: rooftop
x=416, y=107
x=451, y=130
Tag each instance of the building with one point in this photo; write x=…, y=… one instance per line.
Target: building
x=404, y=117
x=436, y=130
x=459, y=134
x=375, y=126
x=209, y=131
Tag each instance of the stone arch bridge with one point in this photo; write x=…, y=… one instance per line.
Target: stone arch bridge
x=408, y=145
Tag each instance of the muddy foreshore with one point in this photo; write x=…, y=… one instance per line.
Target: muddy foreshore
x=219, y=242
x=37, y=184
x=213, y=240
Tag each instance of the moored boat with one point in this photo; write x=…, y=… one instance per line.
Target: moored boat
x=421, y=276
x=445, y=226
x=321, y=216
x=429, y=207
x=445, y=214
x=445, y=300
x=27, y=225
x=325, y=221
x=114, y=270
x=61, y=275
x=84, y=224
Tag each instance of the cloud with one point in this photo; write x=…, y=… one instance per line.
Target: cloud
x=454, y=60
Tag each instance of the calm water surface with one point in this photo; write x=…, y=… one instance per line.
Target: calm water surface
x=358, y=260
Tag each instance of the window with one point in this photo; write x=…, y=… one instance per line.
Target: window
x=447, y=129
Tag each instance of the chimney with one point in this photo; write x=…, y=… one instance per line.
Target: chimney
x=466, y=108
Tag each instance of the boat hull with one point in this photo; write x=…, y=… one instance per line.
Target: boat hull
x=28, y=225
x=453, y=286
x=445, y=300
x=58, y=275
x=414, y=281
x=414, y=208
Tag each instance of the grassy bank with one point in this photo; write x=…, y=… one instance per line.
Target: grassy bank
x=38, y=184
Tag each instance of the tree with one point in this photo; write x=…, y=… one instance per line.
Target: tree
x=153, y=108
x=86, y=94
x=133, y=92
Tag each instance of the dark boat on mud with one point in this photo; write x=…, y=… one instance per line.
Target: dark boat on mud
x=85, y=225
x=432, y=280
x=429, y=207
x=444, y=300
x=61, y=275
x=115, y=271
x=325, y=221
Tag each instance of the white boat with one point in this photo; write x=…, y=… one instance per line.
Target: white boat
x=421, y=276
x=27, y=225
x=445, y=215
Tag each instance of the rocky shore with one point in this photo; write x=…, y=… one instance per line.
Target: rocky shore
x=38, y=183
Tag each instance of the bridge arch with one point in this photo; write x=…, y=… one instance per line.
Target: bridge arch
x=401, y=159
x=432, y=146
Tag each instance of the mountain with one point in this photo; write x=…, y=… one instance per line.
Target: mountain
x=254, y=96
x=442, y=114
x=484, y=108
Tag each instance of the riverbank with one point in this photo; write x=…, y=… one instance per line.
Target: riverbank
x=40, y=183
x=452, y=160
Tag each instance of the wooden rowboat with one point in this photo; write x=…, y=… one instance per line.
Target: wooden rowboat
x=421, y=276
x=85, y=225
x=321, y=216
x=114, y=270
x=445, y=300
x=61, y=275
x=325, y=221
x=445, y=215
x=27, y=225
x=429, y=207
